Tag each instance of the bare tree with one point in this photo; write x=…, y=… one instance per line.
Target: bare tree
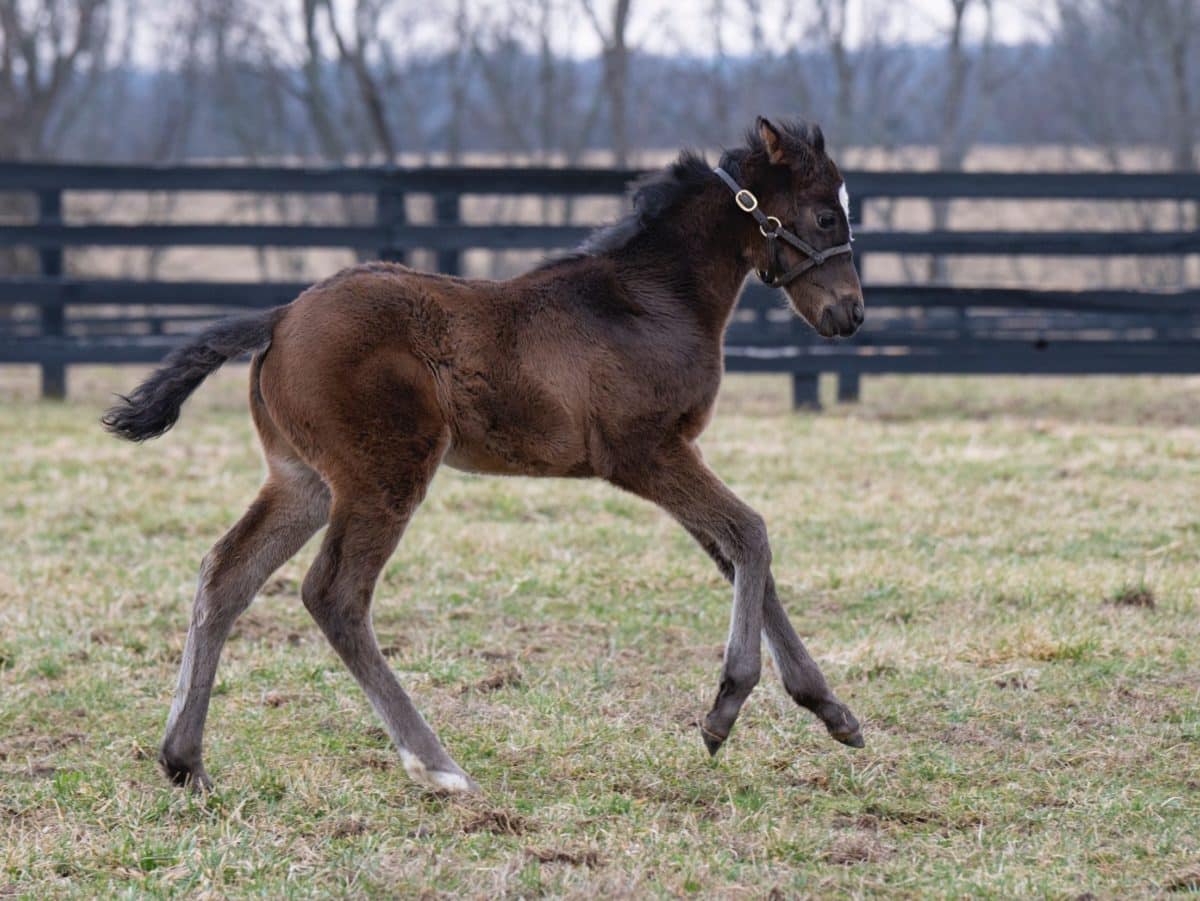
x=615, y=52
x=52, y=53
x=830, y=23
x=49, y=51
x=353, y=52
x=965, y=67
x=1166, y=34
x=1124, y=74
x=459, y=71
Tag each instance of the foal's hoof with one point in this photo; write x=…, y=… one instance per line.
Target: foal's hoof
x=712, y=740
x=454, y=782
x=448, y=783
x=843, y=726
x=854, y=739
x=185, y=775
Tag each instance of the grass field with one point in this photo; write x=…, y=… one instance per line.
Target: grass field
x=1001, y=577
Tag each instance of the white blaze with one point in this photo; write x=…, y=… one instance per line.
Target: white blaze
x=844, y=199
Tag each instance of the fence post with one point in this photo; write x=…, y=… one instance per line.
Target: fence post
x=53, y=312
x=849, y=384
x=806, y=391
x=389, y=213
x=446, y=212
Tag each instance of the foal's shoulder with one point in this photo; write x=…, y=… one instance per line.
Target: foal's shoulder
x=583, y=284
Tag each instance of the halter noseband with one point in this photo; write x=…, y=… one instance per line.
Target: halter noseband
x=772, y=229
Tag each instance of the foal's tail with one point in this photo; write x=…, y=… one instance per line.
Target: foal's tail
x=154, y=405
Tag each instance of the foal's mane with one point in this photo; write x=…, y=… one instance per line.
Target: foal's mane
x=656, y=195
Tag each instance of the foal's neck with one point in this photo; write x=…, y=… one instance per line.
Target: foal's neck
x=695, y=258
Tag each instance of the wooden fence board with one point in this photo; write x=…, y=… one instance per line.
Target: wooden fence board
x=910, y=328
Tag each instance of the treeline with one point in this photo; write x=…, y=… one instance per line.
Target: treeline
x=382, y=79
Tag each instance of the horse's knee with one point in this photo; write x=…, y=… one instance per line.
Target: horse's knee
x=750, y=546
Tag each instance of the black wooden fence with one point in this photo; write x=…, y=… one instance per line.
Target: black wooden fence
x=61, y=319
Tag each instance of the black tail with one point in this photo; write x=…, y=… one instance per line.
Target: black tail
x=154, y=405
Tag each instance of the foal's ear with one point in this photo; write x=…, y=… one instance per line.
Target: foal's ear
x=771, y=139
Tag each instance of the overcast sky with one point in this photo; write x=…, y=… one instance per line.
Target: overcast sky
x=666, y=27
x=915, y=21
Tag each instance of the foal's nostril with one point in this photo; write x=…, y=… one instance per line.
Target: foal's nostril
x=857, y=313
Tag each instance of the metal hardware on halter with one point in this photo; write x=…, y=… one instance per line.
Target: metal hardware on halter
x=748, y=203
x=773, y=233
x=748, y=206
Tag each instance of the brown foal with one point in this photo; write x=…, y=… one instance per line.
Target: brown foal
x=605, y=364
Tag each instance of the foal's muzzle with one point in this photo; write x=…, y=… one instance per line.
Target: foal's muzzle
x=841, y=319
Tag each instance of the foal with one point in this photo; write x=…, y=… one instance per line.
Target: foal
x=604, y=364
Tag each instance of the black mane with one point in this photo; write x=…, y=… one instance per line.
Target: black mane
x=656, y=194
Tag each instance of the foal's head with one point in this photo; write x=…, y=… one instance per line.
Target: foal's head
x=797, y=184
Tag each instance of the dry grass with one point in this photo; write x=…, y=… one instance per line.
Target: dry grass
x=955, y=550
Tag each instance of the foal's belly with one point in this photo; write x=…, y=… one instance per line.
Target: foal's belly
x=480, y=459
x=518, y=433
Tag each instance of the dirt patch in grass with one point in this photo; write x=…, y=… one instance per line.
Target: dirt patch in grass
x=866, y=821
x=1013, y=682
x=494, y=656
x=856, y=848
x=498, y=822
x=33, y=771
x=677, y=795
x=381, y=762
x=881, y=816
x=280, y=586
x=1186, y=882
x=378, y=735
x=20, y=746
x=1134, y=596
x=589, y=859
x=501, y=678
x=968, y=734
x=347, y=827
x=254, y=627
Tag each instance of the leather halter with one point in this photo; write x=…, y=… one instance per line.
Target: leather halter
x=772, y=229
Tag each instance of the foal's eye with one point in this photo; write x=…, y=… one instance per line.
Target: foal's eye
x=826, y=219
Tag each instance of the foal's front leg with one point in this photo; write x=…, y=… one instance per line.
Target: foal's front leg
x=801, y=676
x=679, y=482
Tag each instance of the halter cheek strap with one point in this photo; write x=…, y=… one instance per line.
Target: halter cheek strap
x=772, y=229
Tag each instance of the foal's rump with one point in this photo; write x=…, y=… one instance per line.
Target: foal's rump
x=153, y=407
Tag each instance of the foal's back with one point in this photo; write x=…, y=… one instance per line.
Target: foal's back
x=537, y=375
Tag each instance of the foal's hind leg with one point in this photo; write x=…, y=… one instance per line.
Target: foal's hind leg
x=801, y=676
x=289, y=508
x=369, y=516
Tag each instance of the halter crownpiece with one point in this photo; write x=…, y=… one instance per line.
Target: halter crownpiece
x=772, y=229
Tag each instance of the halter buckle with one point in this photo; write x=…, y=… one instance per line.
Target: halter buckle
x=774, y=232
x=746, y=206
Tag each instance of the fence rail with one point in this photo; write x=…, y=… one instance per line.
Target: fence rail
x=62, y=319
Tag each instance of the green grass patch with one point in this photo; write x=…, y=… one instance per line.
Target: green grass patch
x=1000, y=576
